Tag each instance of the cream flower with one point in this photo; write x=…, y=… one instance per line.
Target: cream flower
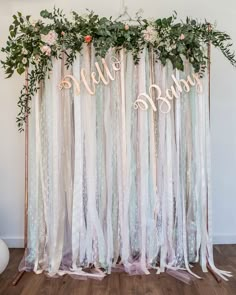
x=46, y=49
x=169, y=47
x=24, y=60
x=50, y=38
x=24, y=51
x=33, y=22
x=150, y=34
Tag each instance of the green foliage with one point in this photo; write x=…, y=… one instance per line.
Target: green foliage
x=35, y=43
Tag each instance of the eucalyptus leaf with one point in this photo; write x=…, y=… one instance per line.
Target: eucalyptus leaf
x=20, y=70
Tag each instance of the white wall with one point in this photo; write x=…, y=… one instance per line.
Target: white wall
x=223, y=119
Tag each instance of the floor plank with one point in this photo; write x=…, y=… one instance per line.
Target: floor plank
x=121, y=283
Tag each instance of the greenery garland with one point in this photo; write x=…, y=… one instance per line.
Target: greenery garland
x=35, y=43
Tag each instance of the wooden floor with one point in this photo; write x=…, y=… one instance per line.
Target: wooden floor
x=121, y=283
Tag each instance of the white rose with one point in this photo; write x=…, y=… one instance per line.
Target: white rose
x=150, y=34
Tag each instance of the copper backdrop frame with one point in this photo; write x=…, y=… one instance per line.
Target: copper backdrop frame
x=20, y=273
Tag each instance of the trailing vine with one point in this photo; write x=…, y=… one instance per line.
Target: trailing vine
x=33, y=43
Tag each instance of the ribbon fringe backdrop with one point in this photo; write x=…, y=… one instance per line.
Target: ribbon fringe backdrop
x=113, y=186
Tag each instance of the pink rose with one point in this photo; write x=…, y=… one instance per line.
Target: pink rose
x=126, y=27
x=50, y=38
x=46, y=49
x=182, y=37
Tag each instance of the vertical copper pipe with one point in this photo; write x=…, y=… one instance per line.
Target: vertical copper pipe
x=217, y=278
x=209, y=91
x=20, y=274
x=26, y=165
x=209, y=100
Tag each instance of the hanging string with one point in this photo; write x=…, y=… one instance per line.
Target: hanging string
x=123, y=7
x=125, y=16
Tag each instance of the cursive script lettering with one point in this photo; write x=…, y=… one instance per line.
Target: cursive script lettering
x=90, y=82
x=173, y=92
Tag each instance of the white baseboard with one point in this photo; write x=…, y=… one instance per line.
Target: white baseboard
x=224, y=239
x=217, y=239
x=13, y=242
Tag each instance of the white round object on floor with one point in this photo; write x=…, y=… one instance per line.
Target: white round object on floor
x=4, y=256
